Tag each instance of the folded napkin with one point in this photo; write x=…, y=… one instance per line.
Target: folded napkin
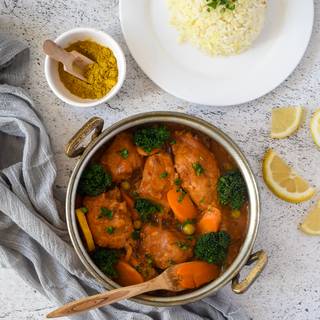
x=33, y=235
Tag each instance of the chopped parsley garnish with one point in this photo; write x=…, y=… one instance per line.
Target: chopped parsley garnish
x=164, y=174
x=135, y=235
x=182, y=195
x=225, y=4
x=110, y=230
x=177, y=182
x=173, y=142
x=198, y=168
x=124, y=153
x=105, y=213
x=182, y=245
x=149, y=259
x=84, y=210
x=139, y=268
x=135, y=194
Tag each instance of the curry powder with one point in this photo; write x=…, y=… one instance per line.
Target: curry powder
x=102, y=76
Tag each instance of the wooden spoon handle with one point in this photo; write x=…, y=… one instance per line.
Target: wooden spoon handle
x=57, y=53
x=102, y=299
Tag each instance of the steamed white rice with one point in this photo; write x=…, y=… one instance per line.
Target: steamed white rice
x=218, y=32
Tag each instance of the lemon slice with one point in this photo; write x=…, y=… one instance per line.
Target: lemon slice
x=311, y=223
x=285, y=121
x=315, y=127
x=283, y=181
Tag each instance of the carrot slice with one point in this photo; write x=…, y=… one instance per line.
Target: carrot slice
x=145, y=154
x=128, y=275
x=196, y=273
x=85, y=229
x=181, y=205
x=210, y=221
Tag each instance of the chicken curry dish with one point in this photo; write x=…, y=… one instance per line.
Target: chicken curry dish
x=160, y=195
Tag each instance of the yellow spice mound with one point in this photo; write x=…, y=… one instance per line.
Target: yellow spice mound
x=102, y=76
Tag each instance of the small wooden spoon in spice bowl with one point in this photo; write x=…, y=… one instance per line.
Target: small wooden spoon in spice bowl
x=183, y=276
x=73, y=62
x=71, y=73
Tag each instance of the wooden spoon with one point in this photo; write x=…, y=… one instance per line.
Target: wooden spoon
x=180, y=277
x=74, y=62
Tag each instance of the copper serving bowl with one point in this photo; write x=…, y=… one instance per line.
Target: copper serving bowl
x=100, y=137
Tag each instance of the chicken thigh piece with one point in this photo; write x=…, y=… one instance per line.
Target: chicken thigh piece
x=166, y=247
x=158, y=178
x=121, y=159
x=197, y=168
x=109, y=220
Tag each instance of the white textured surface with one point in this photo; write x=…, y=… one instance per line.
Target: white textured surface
x=290, y=286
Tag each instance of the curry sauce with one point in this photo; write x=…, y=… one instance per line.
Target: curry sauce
x=163, y=203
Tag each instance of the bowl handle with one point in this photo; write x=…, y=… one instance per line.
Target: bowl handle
x=261, y=258
x=72, y=148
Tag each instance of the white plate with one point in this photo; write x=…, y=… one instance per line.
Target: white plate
x=191, y=75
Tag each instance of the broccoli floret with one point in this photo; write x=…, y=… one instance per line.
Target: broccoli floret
x=106, y=259
x=212, y=247
x=94, y=180
x=151, y=138
x=232, y=190
x=146, y=209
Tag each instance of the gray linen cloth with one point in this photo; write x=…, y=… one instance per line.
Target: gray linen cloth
x=33, y=235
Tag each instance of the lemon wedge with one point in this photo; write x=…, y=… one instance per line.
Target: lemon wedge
x=315, y=127
x=311, y=223
x=283, y=181
x=285, y=121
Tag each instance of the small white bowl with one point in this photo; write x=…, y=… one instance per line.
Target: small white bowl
x=74, y=35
